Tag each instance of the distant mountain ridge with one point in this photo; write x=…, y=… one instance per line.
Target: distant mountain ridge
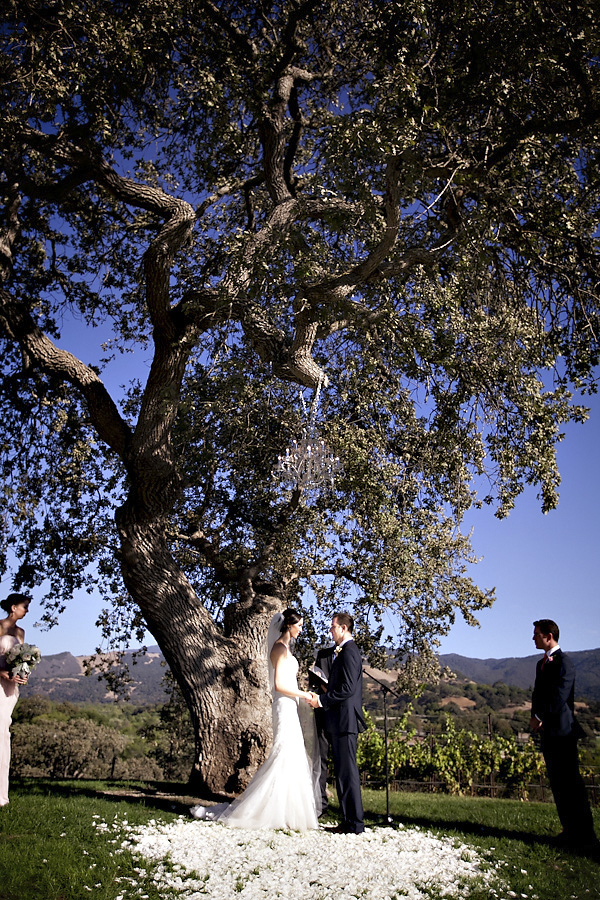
x=520, y=671
x=62, y=676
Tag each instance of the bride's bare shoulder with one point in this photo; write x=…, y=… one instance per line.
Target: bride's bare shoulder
x=279, y=651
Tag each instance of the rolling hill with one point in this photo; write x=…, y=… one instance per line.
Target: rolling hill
x=520, y=671
x=62, y=676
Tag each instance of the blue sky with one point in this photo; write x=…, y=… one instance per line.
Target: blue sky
x=542, y=566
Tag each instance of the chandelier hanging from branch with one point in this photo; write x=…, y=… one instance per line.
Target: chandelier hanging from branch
x=308, y=463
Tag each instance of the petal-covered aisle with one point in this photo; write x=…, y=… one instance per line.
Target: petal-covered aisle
x=207, y=859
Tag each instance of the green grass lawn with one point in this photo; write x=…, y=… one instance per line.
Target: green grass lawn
x=51, y=847
x=516, y=832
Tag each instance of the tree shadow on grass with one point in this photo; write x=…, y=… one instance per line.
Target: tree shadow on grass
x=173, y=797
x=465, y=829
x=160, y=795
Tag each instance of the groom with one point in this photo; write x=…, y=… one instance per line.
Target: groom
x=343, y=715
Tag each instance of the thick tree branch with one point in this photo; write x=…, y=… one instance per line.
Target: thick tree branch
x=11, y=231
x=343, y=285
x=289, y=40
x=272, y=134
x=225, y=574
x=548, y=127
x=292, y=147
x=51, y=360
x=241, y=41
x=256, y=566
x=40, y=351
x=243, y=571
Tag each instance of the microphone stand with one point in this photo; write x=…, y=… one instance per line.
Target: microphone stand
x=387, y=819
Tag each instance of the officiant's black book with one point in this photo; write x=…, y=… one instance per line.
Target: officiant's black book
x=319, y=674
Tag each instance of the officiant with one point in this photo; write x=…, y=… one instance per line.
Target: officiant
x=317, y=680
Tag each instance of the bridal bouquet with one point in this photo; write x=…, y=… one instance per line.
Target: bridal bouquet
x=21, y=659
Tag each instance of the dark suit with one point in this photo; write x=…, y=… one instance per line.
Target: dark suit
x=324, y=662
x=553, y=704
x=344, y=720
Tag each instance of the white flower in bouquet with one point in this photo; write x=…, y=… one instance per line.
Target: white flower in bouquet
x=21, y=659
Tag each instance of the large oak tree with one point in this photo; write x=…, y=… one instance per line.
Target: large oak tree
x=394, y=201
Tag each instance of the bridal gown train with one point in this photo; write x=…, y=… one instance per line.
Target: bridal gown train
x=9, y=694
x=281, y=793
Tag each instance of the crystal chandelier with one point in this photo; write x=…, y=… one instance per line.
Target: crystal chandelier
x=307, y=463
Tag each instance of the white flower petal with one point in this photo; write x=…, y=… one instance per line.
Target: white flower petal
x=234, y=864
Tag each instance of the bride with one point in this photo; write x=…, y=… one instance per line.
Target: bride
x=281, y=794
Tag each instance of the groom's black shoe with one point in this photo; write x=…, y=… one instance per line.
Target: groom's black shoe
x=341, y=829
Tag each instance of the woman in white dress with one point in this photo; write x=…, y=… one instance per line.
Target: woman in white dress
x=16, y=605
x=281, y=793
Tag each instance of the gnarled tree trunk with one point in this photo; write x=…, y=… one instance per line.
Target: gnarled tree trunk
x=221, y=672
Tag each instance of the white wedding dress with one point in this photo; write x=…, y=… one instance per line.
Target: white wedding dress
x=9, y=694
x=281, y=794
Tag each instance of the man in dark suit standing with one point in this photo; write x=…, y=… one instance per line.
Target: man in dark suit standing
x=323, y=663
x=344, y=721
x=552, y=717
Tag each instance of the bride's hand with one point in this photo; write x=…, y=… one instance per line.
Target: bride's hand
x=18, y=679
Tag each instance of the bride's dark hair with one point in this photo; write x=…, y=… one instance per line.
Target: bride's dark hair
x=14, y=600
x=290, y=617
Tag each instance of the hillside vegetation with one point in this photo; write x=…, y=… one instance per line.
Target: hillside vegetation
x=455, y=736
x=62, y=676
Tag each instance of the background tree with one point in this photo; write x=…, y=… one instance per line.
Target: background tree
x=74, y=749
x=82, y=740
x=395, y=201
x=172, y=734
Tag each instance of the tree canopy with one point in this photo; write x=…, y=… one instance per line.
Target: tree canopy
x=394, y=202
